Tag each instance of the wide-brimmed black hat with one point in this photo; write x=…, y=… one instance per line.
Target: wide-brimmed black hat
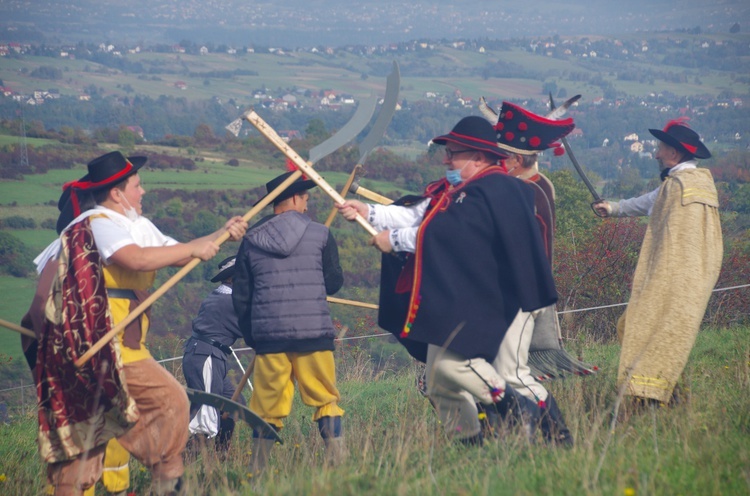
x=104, y=171
x=523, y=132
x=678, y=135
x=226, y=269
x=296, y=187
x=473, y=132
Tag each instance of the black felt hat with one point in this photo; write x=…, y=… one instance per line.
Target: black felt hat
x=296, y=187
x=473, y=132
x=523, y=132
x=678, y=135
x=226, y=269
x=104, y=171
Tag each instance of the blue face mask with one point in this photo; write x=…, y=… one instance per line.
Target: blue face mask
x=453, y=176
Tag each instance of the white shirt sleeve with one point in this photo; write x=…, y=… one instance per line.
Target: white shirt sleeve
x=112, y=233
x=404, y=239
x=403, y=223
x=635, y=207
x=109, y=237
x=395, y=216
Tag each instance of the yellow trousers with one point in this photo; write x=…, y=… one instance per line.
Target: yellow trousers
x=274, y=377
x=116, y=472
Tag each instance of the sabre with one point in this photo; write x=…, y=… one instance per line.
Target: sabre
x=566, y=145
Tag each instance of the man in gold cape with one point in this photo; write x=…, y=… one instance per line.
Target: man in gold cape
x=677, y=268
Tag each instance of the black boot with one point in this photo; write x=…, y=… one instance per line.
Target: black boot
x=224, y=437
x=553, y=425
x=515, y=408
x=330, y=431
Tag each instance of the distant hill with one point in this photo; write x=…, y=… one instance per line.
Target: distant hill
x=293, y=23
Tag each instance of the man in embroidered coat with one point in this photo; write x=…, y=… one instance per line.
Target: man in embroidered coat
x=677, y=268
x=467, y=279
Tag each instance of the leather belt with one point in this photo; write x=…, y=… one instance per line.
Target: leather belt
x=226, y=349
x=127, y=294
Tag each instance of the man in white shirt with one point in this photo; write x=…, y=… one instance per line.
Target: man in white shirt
x=110, y=253
x=677, y=269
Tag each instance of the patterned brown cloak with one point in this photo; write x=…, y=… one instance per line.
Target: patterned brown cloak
x=79, y=409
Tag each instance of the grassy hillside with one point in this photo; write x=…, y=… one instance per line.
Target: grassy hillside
x=701, y=446
x=441, y=68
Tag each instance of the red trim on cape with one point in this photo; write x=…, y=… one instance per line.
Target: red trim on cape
x=438, y=204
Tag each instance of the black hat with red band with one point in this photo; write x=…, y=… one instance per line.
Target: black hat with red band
x=474, y=132
x=103, y=172
x=679, y=136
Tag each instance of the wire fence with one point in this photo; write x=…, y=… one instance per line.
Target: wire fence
x=21, y=399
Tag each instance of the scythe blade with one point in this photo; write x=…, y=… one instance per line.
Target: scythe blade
x=232, y=407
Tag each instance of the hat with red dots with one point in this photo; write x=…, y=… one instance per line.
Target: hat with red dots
x=523, y=132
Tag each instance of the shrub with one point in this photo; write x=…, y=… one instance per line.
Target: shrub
x=18, y=222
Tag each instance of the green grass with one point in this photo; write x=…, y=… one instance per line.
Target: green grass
x=396, y=446
x=15, y=140
x=35, y=239
x=16, y=297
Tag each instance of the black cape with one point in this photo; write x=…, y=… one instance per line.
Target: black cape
x=479, y=259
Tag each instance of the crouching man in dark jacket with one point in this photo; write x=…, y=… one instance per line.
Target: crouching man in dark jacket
x=285, y=267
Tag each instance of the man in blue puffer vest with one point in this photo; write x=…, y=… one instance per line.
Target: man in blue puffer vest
x=285, y=267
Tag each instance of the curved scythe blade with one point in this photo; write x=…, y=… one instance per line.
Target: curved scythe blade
x=390, y=101
x=392, y=85
x=348, y=132
x=229, y=406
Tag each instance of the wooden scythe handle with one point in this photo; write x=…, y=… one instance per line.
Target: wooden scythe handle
x=179, y=275
x=301, y=164
x=243, y=381
x=344, y=191
x=17, y=328
x=353, y=303
x=371, y=195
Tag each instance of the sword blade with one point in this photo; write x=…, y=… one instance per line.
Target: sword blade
x=574, y=160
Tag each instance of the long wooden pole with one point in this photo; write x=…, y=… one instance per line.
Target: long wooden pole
x=343, y=193
x=179, y=275
x=17, y=328
x=353, y=303
x=370, y=195
x=245, y=379
x=301, y=164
